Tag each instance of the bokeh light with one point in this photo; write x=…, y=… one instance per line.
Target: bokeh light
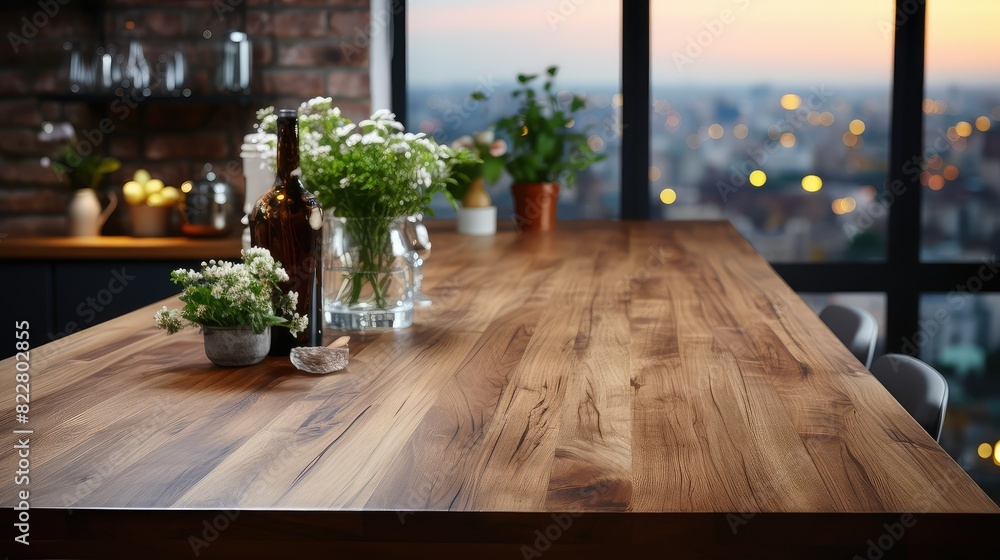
x=758, y=178
x=812, y=183
x=985, y=450
x=790, y=101
x=668, y=196
x=857, y=127
x=740, y=131
x=983, y=123
x=716, y=131
x=787, y=140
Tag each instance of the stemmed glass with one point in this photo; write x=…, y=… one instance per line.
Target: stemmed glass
x=420, y=245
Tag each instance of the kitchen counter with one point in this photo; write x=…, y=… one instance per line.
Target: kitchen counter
x=65, y=284
x=119, y=248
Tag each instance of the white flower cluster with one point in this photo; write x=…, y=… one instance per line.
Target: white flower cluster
x=169, y=320
x=225, y=294
x=372, y=168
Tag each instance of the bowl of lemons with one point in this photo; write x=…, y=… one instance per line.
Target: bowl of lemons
x=150, y=203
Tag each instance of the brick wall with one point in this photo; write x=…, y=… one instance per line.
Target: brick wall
x=301, y=49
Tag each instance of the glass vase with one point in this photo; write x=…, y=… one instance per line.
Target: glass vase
x=367, y=277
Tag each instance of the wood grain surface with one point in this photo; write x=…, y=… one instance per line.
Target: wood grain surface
x=640, y=367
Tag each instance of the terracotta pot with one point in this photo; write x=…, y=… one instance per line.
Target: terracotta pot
x=535, y=205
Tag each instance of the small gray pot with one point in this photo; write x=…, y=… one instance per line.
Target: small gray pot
x=236, y=346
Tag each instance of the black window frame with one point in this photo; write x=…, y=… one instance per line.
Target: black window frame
x=902, y=277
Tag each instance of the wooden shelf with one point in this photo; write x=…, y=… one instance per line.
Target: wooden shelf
x=193, y=99
x=119, y=248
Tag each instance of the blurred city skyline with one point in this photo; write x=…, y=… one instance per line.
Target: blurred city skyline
x=711, y=42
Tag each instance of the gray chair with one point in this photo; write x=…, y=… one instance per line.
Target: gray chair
x=921, y=389
x=855, y=327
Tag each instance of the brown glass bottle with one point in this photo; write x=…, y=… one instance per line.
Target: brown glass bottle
x=288, y=221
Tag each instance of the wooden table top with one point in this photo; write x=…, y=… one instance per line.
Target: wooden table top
x=119, y=248
x=606, y=367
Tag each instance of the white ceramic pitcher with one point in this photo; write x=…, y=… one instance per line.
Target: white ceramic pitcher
x=85, y=215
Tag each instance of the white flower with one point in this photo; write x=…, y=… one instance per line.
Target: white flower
x=169, y=320
x=463, y=143
x=484, y=138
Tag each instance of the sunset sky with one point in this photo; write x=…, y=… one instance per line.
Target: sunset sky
x=764, y=41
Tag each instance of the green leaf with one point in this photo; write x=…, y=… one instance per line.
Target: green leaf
x=526, y=78
x=552, y=71
x=492, y=168
x=108, y=165
x=578, y=103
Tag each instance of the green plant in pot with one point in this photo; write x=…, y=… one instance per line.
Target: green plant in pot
x=84, y=171
x=543, y=149
x=477, y=215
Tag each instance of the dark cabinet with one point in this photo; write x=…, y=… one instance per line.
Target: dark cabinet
x=62, y=297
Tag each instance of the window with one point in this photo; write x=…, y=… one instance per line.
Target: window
x=961, y=171
x=960, y=337
x=456, y=47
x=776, y=118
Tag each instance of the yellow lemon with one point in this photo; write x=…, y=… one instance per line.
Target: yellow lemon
x=170, y=194
x=134, y=193
x=156, y=199
x=153, y=186
x=141, y=176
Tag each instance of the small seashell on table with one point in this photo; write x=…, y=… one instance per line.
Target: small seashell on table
x=320, y=359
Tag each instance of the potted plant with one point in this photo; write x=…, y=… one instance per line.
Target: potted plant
x=476, y=213
x=368, y=177
x=543, y=150
x=84, y=174
x=234, y=306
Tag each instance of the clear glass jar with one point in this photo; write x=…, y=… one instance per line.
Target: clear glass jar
x=367, y=274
